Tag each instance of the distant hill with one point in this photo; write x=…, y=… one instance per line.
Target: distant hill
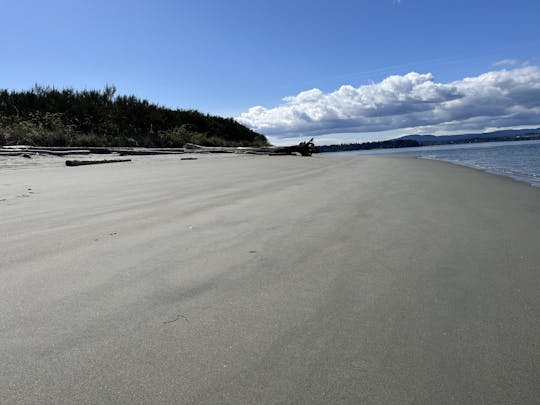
x=45, y=116
x=502, y=135
x=426, y=140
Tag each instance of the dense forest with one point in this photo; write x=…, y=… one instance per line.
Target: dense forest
x=45, y=116
x=394, y=143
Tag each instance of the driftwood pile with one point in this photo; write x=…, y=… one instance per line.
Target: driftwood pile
x=303, y=148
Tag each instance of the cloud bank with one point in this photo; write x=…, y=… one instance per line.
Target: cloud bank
x=502, y=98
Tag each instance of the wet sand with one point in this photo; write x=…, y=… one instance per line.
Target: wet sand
x=254, y=279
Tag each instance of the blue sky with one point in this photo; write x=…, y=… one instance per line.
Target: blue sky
x=242, y=58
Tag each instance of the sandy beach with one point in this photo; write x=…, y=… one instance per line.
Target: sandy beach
x=258, y=280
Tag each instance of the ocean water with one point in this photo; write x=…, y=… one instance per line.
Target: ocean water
x=519, y=160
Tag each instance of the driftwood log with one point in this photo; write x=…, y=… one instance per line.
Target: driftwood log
x=94, y=162
x=42, y=151
x=303, y=148
x=128, y=152
x=19, y=153
x=60, y=152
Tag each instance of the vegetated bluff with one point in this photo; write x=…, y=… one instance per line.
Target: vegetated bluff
x=45, y=116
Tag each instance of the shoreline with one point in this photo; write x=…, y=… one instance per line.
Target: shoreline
x=530, y=179
x=255, y=279
x=51, y=161
x=533, y=179
x=483, y=170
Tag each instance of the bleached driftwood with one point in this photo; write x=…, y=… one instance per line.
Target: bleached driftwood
x=303, y=148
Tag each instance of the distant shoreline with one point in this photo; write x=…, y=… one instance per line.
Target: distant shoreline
x=412, y=141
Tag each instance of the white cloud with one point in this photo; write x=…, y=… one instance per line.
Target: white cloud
x=499, y=98
x=506, y=62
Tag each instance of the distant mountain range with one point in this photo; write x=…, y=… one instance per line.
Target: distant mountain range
x=427, y=140
x=502, y=135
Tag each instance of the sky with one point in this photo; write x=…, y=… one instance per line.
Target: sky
x=341, y=71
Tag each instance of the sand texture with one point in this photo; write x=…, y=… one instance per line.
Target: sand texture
x=258, y=280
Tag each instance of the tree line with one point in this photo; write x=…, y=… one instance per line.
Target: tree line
x=393, y=143
x=46, y=116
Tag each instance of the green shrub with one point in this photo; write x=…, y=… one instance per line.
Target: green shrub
x=50, y=117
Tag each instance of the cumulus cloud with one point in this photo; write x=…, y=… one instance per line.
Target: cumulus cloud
x=414, y=100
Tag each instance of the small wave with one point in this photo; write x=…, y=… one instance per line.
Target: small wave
x=520, y=161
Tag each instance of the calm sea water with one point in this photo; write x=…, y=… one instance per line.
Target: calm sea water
x=519, y=160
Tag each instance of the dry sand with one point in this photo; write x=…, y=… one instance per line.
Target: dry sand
x=250, y=280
